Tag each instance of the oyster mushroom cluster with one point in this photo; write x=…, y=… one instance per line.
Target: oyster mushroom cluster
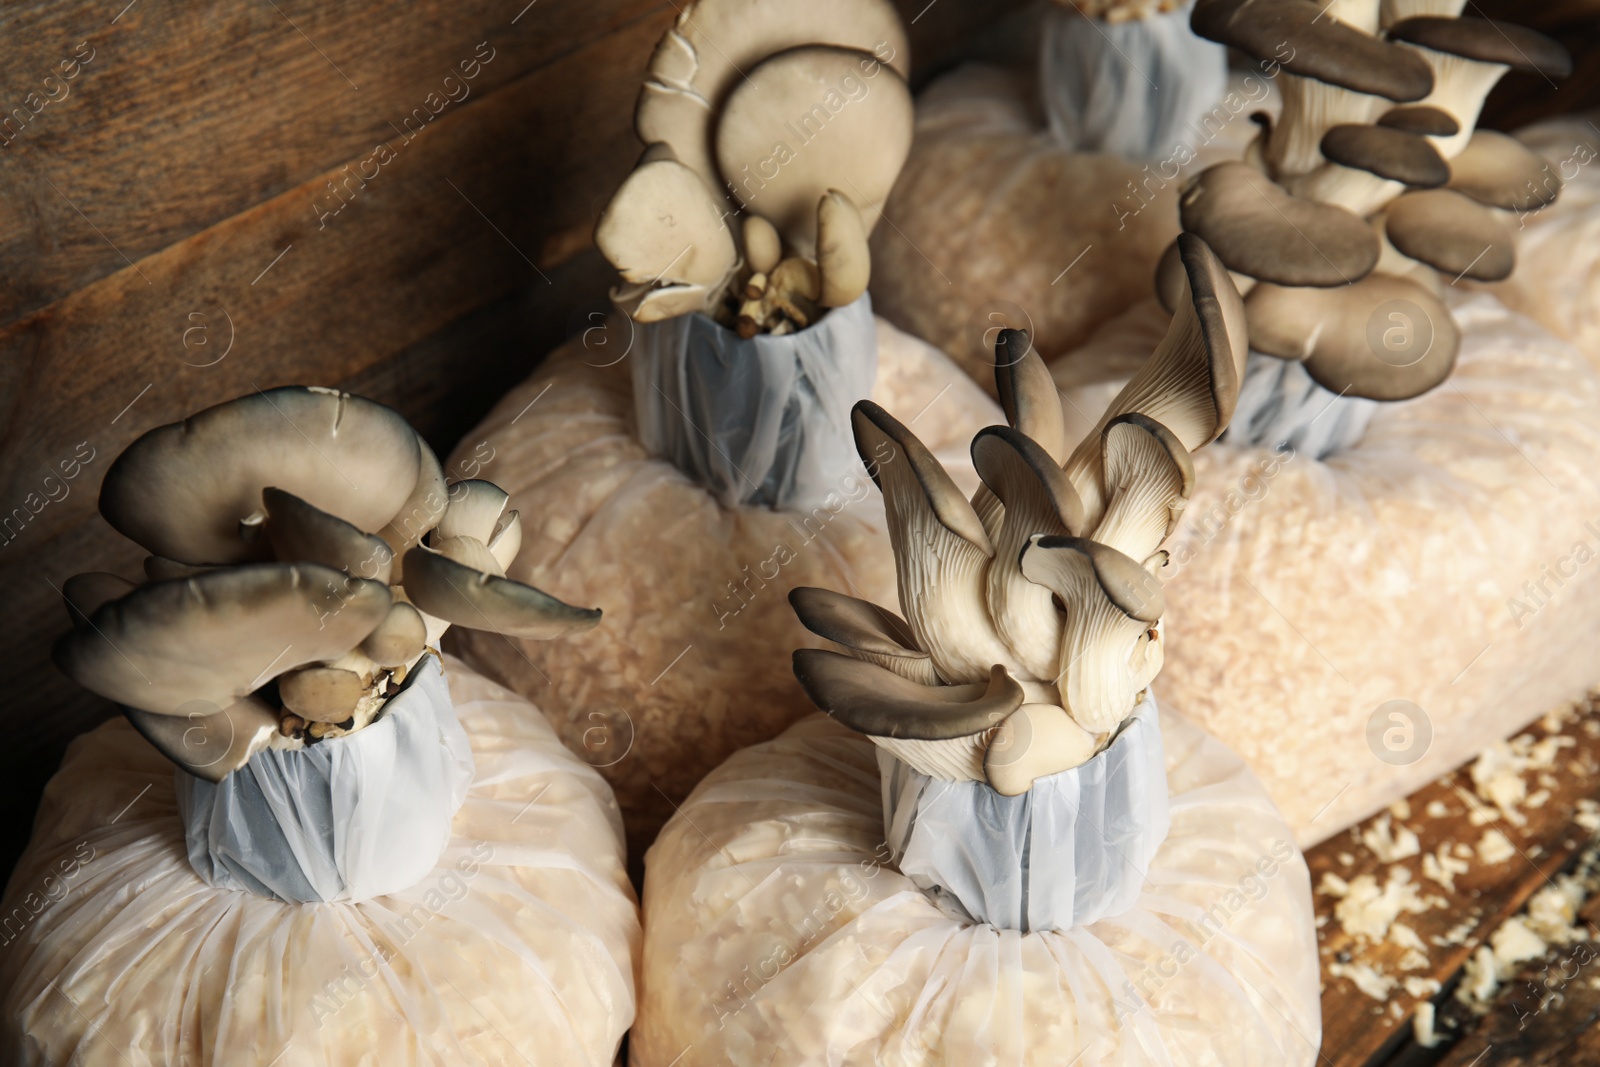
x=305, y=553
x=1032, y=613
x=774, y=133
x=1372, y=187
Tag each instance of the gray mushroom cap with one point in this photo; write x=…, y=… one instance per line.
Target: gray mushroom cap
x=300, y=532
x=1331, y=330
x=183, y=489
x=216, y=637
x=1451, y=233
x=1501, y=172
x=478, y=600
x=85, y=593
x=880, y=703
x=209, y=743
x=874, y=634
x=1486, y=41
x=1257, y=228
x=1319, y=47
x=1387, y=152
x=1421, y=118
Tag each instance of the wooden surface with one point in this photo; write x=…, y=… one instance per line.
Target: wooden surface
x=169, y=239
x=1360, y=1030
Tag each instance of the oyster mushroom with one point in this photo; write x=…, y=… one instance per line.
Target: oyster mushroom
x=1108, y=655
x=1333, y=72
x=216, y=637
x=1258, y=228
x=1452, y=233
x=1025, y=644
x=209, y=744
x=1329, y=330
x=1501, y=172
x=182, y=490
x=1470, y=55
x=1190, y=384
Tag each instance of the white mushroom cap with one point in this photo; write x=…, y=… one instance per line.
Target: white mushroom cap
x=181, y=490
x=871, y=633
x=716, y=42
x=1036, y=741
x=474, y=510
x=218, y=636
x=763, y=248
x=842, y=257
x=1111, y=602
x=480, y=600
x=856, y=142
x=399, y=639
x=665, y=225
x=941, y=548
x=208, y=743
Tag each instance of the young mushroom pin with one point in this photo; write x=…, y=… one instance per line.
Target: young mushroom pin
x=272, y=616
x=1031, y=616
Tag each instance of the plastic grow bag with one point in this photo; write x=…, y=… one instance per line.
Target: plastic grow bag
x=1357, y=626
x=1133, y=88
x=779, y=932
x=762, y=420
x=997, y=223
x=1070, y=851
x=683, y=673
x=349, y=818
x=523, y=936
x=1557, y=280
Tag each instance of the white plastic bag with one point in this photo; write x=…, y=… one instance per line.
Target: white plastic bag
x=1133, y=88
x=1072, y=850
x=759, y=421
x=997, y=223
x=681, y=675
x=778, y=933
x=522, y=937
x=1357, y=626
x=348, y=818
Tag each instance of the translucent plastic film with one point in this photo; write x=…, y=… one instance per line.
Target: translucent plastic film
x=779, y=933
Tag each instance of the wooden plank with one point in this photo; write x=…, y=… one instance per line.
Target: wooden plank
x=187, y=114
x=177, y=116
x=1359, y=1029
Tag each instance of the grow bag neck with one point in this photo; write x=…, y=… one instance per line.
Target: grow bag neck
x=762, y=421
x=1072, y=850
x=346, y=819
x=1279, y=405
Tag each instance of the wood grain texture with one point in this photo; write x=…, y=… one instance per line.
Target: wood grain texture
x=210, y=177
x=1362, y=1031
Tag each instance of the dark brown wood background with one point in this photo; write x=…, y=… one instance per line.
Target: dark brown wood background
x=163, y=243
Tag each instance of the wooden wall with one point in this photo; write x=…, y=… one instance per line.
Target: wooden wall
x=199, y=200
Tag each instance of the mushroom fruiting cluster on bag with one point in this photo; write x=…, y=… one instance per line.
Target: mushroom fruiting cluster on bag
x=1032, y=612
x=786, y=122
x=305, y=554
x=1371, y=192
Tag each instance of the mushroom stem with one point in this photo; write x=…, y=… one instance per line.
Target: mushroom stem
x=1460, y=86
x=1358, y=191
x=1310, y=109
